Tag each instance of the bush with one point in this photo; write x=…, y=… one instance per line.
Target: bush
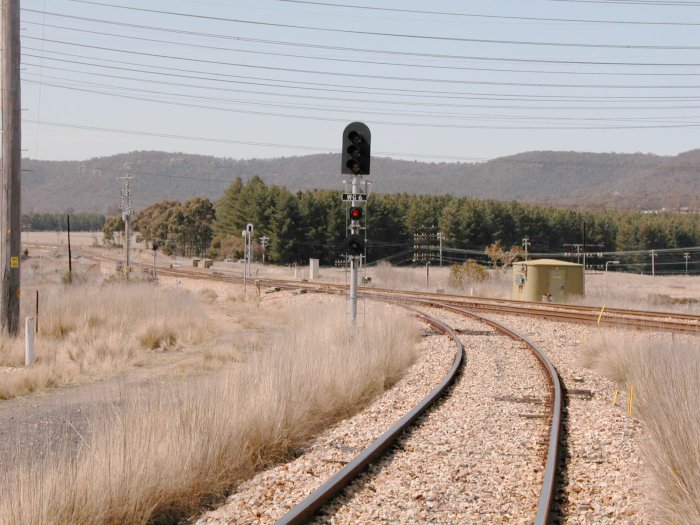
x=470, y=271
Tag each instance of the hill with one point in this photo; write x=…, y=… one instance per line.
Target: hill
x=632, y=181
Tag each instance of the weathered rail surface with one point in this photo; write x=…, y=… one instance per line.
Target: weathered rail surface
x=307, y=508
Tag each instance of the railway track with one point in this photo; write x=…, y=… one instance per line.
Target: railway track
x=638, y=319
x=568, y=500
x=611, y=317
x=308, y=508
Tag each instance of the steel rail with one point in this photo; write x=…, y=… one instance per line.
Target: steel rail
x=305, y=510
x=544, y=505
x=309, y=506
x=638, y=319
x=479, y=301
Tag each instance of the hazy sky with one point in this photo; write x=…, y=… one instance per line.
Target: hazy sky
x=438, y=84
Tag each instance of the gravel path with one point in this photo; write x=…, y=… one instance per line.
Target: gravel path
x=476, y=458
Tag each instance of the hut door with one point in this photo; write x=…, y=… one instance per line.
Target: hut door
x=556, y=285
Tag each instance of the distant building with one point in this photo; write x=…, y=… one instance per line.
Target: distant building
x=547, y=280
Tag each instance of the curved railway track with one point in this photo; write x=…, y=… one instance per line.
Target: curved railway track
x=581, y=314
x=305, y=510
x=613, y=317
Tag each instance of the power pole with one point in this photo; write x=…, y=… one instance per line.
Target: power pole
x=440, y=237
x=264, y=242
x=70, y=254
x=249, y=247
x=577, y=247
x=686, y=256
x=584, y=248
x=126, y=216
x=526, y=243
x=653, y=257
x=11, y=168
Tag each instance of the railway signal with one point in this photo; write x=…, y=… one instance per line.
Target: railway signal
x=355, y=161
x=355, y=244
x=356, y=149
x=355, y=213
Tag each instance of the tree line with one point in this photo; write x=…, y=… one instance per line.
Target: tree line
x=312, y=224
x=79, y=222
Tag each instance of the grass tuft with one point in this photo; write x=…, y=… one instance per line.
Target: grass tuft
x=665, y=374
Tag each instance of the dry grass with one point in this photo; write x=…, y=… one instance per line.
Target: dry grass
x=90, y=332
x=492, y=283
x=161, y=455
x=665, y=374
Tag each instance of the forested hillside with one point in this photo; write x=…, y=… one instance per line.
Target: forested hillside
x=636, y=181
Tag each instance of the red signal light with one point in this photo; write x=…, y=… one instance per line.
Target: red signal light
x=355, y=213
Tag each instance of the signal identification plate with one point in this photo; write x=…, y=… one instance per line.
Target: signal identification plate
x=354, y=196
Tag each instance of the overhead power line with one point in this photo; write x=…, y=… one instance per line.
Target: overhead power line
x=391, y=35
x=336, y=58
x=344, y=74
x=306, y=116
x=343, y=99
x=326, y=87
x=343, y=110
x=596, y=164
x=231, y=141
x=633, y=2
x=361, y=50
x=492, y=17
x=293, y=84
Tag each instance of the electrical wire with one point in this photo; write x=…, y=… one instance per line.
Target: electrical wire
x=448, y=116
x=632, y=2
x=336, y=59
x=356, y=32
x=345, y=74
x=670, y=167
x=341, y=88
x=343, y=99
x=493, y=17
x=400, y=123
x=362, y=50
x=231, y=141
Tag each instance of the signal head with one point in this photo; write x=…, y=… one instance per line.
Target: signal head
x=355, y=213
x=356, y=149
x=354, y=244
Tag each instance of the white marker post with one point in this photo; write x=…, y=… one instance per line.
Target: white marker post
x=28, y=341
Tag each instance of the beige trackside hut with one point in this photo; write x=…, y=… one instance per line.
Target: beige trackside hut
x=547, y=280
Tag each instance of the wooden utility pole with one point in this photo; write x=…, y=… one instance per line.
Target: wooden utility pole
x=11, y=169
x=126, y=217
x=70, y=255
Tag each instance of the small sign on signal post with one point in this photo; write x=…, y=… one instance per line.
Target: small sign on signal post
x=355, y=197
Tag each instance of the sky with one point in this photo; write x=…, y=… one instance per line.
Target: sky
x=436, y=81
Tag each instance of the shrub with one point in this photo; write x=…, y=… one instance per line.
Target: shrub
x=469, y=271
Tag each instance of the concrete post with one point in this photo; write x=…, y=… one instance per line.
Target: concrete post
x=28, y=341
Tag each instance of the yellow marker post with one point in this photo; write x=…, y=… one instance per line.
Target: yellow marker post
x=614, y=401
x=629, y=401
x=600, y=316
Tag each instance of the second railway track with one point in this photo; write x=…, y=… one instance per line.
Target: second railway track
x=613, y=317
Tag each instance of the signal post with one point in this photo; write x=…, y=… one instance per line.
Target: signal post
x=356, y=162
